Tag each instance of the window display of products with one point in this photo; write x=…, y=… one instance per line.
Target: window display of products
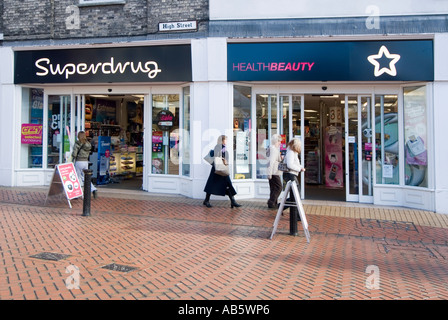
x=127, y=163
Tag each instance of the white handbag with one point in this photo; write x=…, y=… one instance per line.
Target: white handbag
x=221, y=167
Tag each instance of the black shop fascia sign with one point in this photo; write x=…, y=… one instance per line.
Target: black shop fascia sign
x=104, y=65
x=399, y=60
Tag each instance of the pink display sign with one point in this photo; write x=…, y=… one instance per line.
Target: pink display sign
x=333, y=157
x=31, y=133
x=70, y=181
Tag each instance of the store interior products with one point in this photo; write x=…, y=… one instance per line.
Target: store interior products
x=324, y=146
x=114, y=125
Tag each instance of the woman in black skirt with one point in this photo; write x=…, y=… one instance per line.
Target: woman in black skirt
x=217, y=184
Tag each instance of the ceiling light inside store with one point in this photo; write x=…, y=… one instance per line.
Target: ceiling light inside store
x=385, y=104
x=333, y=96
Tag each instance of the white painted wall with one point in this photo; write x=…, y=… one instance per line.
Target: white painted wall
x=7, y=116
x=211, y=114
x=283, y=9
x=441, y=121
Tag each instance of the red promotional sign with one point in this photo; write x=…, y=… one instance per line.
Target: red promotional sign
x=70, y=181
x=31, y=133
x=283, y=142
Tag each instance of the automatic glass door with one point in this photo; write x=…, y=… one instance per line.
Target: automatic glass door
x=360, y=144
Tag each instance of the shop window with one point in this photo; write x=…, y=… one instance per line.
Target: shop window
x=386, y=139
x=266, y=110
x=31, y=129
x=58, y=121
x=415, y=136
x=165, y=134
x=242, y=128
x=186, y=133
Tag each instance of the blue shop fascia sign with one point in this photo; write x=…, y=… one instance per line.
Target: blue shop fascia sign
x=401, y=60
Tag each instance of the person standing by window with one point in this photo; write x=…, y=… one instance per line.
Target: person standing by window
x=275, y=183
x=292, y=161
x=80, y=156
x=294, y=168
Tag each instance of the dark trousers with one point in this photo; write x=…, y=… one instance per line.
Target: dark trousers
x=293, y=212
x=275, y=186
x=289, y=176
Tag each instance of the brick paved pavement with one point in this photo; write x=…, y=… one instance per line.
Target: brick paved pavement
x=180, y=249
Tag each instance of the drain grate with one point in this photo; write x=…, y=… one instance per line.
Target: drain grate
x=386, y=224
x=51, y=256
x=118, y=267
x=409, y=250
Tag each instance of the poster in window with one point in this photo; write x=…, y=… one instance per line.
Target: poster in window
x=31, y=133
x=333, y=157
x=242, y=153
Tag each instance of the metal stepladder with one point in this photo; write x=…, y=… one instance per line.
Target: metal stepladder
x=291, y=186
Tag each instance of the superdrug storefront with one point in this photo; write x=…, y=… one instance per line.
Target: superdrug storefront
x=116, y=95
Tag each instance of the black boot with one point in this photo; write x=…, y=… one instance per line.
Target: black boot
x=233, y=203
x=207, y=201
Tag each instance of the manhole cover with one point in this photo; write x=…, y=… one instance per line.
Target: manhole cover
x=50, y=256
x=118, y=267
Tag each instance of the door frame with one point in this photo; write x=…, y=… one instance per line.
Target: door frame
x=301, y=137
x=360, y=197
x=280, y=121
x=347, y=89
x=67, y=101
x=349, y=139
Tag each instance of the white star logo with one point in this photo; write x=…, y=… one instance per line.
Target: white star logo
x=394, y=59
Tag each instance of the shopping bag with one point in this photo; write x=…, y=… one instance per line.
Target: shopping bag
x=221, y=166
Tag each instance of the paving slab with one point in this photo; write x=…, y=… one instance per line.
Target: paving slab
x=141, y=246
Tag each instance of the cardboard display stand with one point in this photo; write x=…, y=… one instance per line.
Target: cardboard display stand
x=65, y=180
x=291, y=186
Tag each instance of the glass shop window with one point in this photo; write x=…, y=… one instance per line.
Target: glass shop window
x=58, y=122
x=31, y=128
x=386, y=139
x=266, y=109
x=165, y=134
x=186, y=159
x=242, y=129
x=415, y=136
